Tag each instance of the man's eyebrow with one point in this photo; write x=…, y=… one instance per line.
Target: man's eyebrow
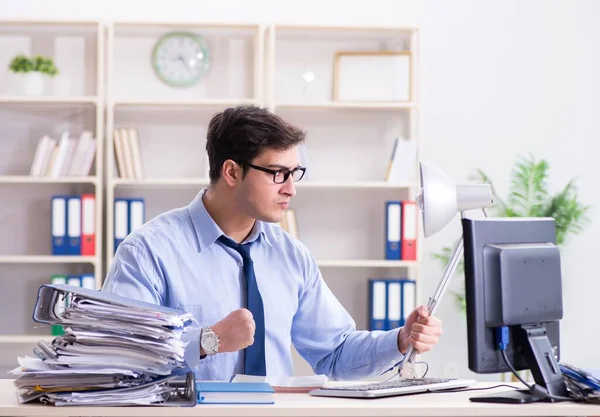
x=282, y=166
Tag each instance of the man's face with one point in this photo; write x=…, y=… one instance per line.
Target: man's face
x=258, y=195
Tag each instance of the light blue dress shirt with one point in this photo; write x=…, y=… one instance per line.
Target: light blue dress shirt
x=175, y=260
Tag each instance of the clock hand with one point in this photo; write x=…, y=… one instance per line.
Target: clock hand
x=185, y=64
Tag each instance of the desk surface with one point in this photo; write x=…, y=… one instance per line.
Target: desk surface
x=420, y=405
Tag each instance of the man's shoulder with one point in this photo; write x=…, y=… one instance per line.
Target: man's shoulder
x=285, y=241
x=172, y=225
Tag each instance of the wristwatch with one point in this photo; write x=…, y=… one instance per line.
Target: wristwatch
x=209, y=341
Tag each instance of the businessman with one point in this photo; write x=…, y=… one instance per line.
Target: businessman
x=254, y=289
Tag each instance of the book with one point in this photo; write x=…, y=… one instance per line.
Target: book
x=289, y=384
x=209, y=392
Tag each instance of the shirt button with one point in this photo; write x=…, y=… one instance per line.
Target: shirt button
x=240, y=263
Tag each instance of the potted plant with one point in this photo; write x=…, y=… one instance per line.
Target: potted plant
x=33, y=72
x=529, y=197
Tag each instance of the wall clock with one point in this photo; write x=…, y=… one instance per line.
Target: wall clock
x=180, y=59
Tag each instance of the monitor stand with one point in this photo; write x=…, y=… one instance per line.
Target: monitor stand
x=544, y=368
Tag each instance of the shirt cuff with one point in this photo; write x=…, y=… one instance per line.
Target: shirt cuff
x=192, y=350
x=387, y=349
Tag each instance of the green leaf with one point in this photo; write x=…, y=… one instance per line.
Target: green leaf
x=528, y=193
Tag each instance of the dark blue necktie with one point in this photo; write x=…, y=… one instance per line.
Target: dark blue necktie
x=254, y=363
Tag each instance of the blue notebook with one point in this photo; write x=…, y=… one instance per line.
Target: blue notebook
x=234, y=393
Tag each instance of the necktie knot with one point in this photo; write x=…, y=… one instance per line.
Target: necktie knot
x=244, y=249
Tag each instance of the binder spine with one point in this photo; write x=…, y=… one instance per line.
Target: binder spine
x=378, y=304
x=393, y=214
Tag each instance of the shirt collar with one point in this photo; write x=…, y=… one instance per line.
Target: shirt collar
x=207, y=231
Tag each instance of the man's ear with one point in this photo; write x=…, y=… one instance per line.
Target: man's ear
x=231, y=172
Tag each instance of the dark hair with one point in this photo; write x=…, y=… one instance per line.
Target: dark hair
x=241, y=133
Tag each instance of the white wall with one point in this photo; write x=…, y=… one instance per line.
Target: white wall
x=500, y=79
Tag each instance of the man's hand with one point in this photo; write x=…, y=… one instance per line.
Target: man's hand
x=236, y=331
x=421, y=331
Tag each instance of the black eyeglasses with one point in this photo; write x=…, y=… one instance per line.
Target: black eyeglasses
x=280, y=175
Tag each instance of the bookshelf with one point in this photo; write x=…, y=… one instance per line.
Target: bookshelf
x=342, y=200
x=73, y=101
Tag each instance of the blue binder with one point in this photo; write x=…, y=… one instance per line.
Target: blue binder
x=137, y=213
x=378, y=304
x=409, y=300
x=394, y=303
x=59, y=225
x=393, y=222
x=74, y=225
x=121, y=221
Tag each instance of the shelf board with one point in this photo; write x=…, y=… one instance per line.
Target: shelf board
x=46, y=259
x=158, y=182
x=352, y=184
x=48, y=100
x=148, y=102
x=349, y=105
x=22, y=338
x=366, y=263
x=27, y=179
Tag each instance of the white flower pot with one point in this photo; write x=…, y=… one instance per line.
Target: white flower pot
x=32, y=83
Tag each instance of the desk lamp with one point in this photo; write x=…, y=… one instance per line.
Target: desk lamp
x=439, y=199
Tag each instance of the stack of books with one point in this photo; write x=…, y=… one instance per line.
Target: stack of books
x=114, y=351
x=128, y=153
x=65, y=157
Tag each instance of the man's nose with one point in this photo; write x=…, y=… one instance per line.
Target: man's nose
x=289, y=187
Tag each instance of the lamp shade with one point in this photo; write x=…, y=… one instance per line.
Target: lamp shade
x=440, y=198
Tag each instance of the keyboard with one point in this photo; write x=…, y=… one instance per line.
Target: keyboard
x=392, y=388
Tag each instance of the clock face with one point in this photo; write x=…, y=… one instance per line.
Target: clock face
x=180, y=59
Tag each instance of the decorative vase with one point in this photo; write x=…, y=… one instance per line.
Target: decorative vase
x=33, y=83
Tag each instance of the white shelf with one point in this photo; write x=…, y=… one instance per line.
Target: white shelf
x=49, y=100
x=341, y=105
x=159, y=182
x=352, y=184
x=366, y=263
x=46, y=259
x=24, y=339
x=26, y=179
x=146, y=102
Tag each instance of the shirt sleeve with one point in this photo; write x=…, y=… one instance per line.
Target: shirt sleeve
x=325, y=335
x=132, y=275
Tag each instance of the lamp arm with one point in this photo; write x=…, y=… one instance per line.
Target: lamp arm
x=437, y=295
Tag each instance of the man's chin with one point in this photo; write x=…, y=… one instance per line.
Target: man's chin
x=271, y=217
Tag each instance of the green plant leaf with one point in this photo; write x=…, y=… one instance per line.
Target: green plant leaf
x=570, y=215
x=528, y=193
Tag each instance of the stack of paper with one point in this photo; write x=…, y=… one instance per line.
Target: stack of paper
x=114, y=351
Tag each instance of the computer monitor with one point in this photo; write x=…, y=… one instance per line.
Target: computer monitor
x=513, y=288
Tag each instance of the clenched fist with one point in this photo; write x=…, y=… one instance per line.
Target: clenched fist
x=236, y=331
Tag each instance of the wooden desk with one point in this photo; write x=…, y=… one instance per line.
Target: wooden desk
x=420, y=405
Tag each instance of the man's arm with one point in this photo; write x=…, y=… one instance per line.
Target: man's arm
x=325, y=334
x=132, y=275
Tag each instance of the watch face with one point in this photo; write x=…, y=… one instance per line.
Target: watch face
x=210, y=342
x=180, y=59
